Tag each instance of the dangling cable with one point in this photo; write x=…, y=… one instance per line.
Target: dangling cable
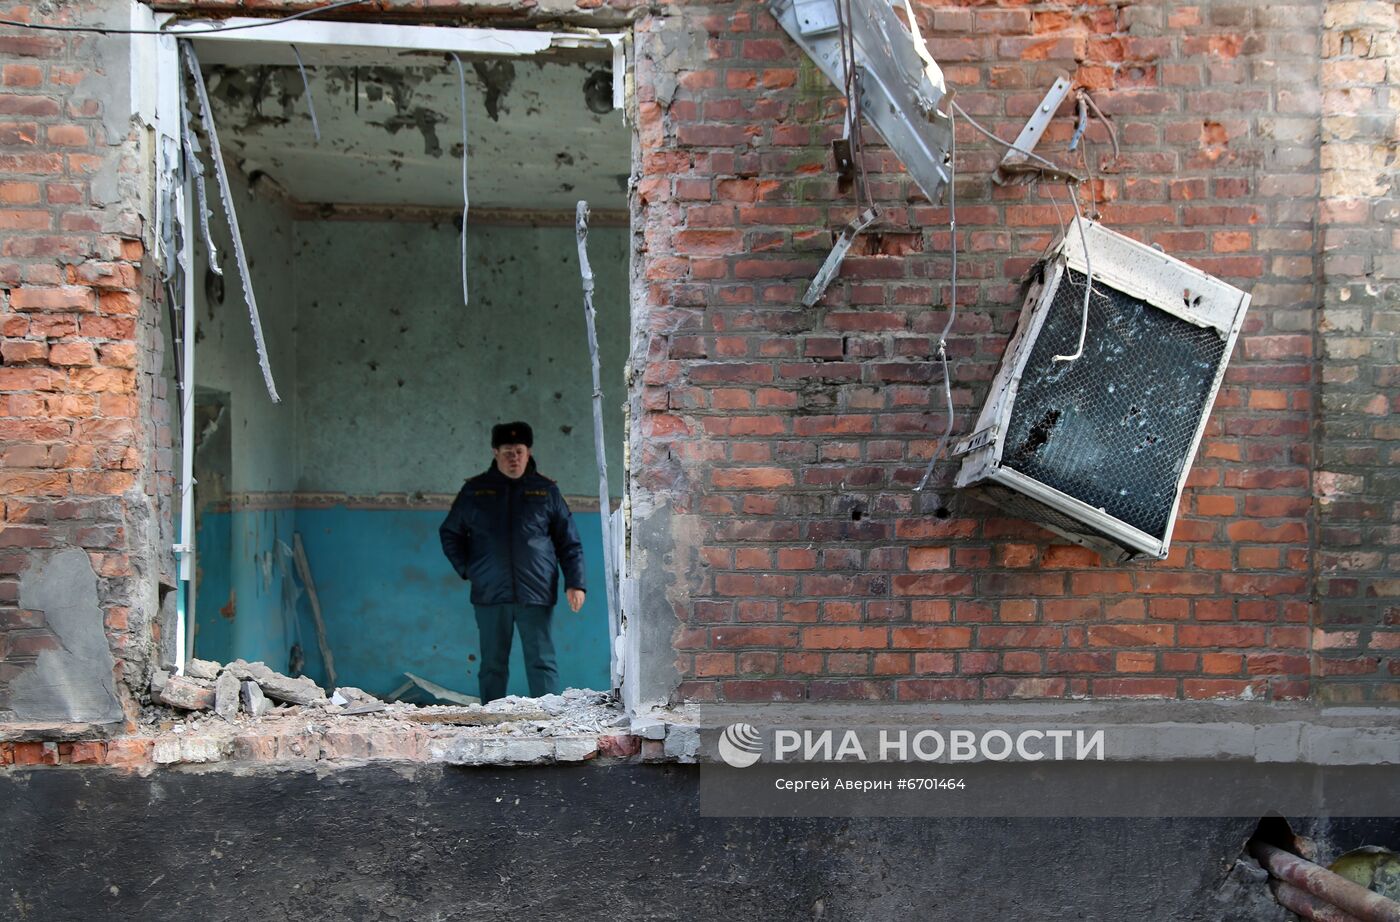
x=952, y=302
x=462, y=98
x=1088, y=281
x=306, y=90
x=1007, y=144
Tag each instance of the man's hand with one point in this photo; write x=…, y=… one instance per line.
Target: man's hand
x=575, y=597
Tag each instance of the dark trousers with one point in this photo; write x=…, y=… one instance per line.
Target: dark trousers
x=497, y=624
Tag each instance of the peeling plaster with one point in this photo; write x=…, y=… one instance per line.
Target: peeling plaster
x=74, y=682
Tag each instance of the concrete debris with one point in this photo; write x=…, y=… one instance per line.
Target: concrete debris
x=301, y=690
x=367, y=707
x=648, y=728
x=226, y=691
x=683, y=743
x=468, y=716
x=185, y=693
x=441, y=693
x=255, y=703
x=347, y=695
x=572, y=727
x=208, y=684
x=352, y=701
x=202, y=669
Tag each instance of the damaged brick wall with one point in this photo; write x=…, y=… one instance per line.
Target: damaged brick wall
x=1358, y=489
x=783, y=442
x=795, y=436
x=80, y=412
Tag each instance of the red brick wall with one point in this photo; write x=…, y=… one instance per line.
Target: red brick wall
x=76, y=451
x=772, y=423
x=1358, y=488
x=769, y=425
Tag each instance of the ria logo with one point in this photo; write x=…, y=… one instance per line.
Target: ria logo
x=740, y=745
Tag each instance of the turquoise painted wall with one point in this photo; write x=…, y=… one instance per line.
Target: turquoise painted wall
x=236, y=569
x=391, y=385
x=390, y=600
x=249, y=609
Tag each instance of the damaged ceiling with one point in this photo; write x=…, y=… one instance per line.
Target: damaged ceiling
x=542, y=131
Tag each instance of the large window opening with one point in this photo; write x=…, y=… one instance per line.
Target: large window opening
x=389, y=383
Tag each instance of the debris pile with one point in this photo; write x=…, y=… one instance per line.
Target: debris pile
x=245, y=711
x=241, y=685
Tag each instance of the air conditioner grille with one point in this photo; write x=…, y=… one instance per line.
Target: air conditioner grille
x=1113, y=428
x=1023, y=507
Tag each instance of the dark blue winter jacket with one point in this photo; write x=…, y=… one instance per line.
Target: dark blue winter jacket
x=511, y=537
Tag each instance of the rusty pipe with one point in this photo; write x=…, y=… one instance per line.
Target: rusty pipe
x=1325, y=885
x=1306, y=905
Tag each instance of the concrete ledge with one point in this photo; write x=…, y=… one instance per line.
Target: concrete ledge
x=1134, y=731
x=58, y=732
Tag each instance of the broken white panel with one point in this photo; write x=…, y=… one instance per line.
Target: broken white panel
x=1098, y=450
x=896, y=92
x=231, y=215
x=357, y=42
x=599, y=442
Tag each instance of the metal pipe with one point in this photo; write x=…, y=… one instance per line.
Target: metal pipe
x=599, y=443
x=184, y=631
x=1307, y=905
x=1326, y=885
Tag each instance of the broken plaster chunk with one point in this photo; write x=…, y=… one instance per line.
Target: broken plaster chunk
x=575, y=748
x=552, y=704
x=649, y=728
x=521, y=751
x=226, y=696
x=348, y=694
x=203, y=669
x=189, y=694
x=457, y=750
x=682, y=743
x=158, y=679
x=275, y=685
x=254, y=701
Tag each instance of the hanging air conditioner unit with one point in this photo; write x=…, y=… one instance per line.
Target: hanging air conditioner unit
x=1098, y=448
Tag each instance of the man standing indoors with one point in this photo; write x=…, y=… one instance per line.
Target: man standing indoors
x=510, y=532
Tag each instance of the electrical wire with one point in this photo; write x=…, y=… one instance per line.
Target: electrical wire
x=854, y=132
x=306, y=90
x=462, y=100
x=1098, y=114
x=49, y=27
x=1007, y=144
x=1088, y=283
x=952, y=303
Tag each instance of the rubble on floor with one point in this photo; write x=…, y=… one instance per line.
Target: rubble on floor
x=246, y=712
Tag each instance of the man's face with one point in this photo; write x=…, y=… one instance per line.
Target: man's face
x=511, y=459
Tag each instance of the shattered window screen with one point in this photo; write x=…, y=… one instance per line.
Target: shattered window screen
x=1114, y=427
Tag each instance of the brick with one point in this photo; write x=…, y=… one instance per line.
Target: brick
x=72, y=353
x=53, y=299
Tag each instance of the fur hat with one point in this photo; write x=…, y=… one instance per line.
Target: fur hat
x=512, y=434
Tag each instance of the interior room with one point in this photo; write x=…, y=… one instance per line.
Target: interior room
x=346, y=176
